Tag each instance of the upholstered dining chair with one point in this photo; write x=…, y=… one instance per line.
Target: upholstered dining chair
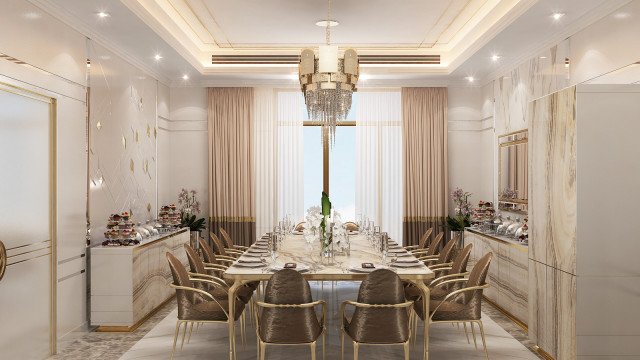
x=463, y=305
x=423, y=243
x=288, y=315
x=445, y=255
x=432, y=249
x=300, y=226
x=221, y=250
x=351, y=226
x=456, y=269
x=381, y=314
x=228, y=241
x=196, y=305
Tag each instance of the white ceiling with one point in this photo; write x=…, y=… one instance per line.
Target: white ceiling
x=464, y=32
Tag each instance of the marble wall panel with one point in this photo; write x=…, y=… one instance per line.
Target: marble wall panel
x=553, y=191
x=518, y=283
x=539, y=316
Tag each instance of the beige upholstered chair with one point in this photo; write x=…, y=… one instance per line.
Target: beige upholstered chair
x=381, y=315
x=423, y=243
x=300, y=226
x=463, y=305
x=228, y=241
x=221, y=250
x=196, y=305
x=288, y=316
x=432, y=249
x=455, y=269
x=443, y=257
x=351, y=226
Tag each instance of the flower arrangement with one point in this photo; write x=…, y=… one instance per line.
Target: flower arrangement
x=509, y=194
x=189, y=206
x=462, y=211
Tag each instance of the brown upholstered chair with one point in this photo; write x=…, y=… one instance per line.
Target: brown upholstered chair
x=455, y=269
x=351, y=226
x=443, y=257
x=381, y=314
x=196, y=305
x=213, y=260
x=432, y=249
x=423, y=243
x=463, y=305
x=288, y=316
x=221, y=250
x=228, y=241
x=300, y=226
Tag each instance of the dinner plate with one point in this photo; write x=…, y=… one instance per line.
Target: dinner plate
x=397, y=251
x=299, y=267
x=249, y=260
x=250, y=265
x=297, y=233
x=360, y=269
x=258, y=251
x=404, y=254
x=406, y=265
x=255, y=255
x=408, y=261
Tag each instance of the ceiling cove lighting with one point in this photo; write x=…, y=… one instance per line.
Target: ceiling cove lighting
x=328, y=81
x=557, y=16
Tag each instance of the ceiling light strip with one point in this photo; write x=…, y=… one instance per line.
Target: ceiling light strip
x=294, y=59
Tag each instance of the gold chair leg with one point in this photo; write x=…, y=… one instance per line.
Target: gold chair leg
x=258, y=349
x=473, y=332
x=190, y=332
x=342, y=345
x=484, y=343
x=175, y=338
x=355, y=350
x=184, y=334
x=406, y=350
x=466, y=333
x=263, y=350
x=324, y=343
x=313, y=350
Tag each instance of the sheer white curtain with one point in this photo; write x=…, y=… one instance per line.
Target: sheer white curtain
x=379, y=159
x=265, y=137
x=290, y=116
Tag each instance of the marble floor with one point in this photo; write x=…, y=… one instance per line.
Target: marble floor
x=153, y=340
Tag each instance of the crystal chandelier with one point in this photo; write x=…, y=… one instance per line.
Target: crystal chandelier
x=328, y=81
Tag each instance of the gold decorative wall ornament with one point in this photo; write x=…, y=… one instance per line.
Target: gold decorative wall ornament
x=3, y=259
x=131, y=165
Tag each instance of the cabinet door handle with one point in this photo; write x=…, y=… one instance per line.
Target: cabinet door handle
x=3, y=259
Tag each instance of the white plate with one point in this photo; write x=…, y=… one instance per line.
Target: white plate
x=297, y=233
x=250, y=265
x=360, y=269
x=258, y=251
x=299, y=267
x=406, y=265
x=405, y=254
x=397, y=251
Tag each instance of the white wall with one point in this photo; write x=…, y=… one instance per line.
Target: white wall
x=57, y=50
x=470, y=143
x=185, y=132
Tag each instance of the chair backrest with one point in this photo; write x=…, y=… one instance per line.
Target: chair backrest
x=226, y=239
x=380, y=325
x=423, y=244
x=351, y=226
x=288, y=325
x=195, y=263
x=218, y=247
x=181, y=278
x=207, y=252
x=434, y=247
x=477, y=277
x=459, y=264
x=447, y=252
x=300, y=226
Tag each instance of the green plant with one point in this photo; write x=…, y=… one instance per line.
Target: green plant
x=458, y=223
x=191, y=222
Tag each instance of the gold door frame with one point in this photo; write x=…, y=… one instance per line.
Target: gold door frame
x=53, y=215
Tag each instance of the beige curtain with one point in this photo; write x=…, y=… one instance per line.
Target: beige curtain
x=231, y=178
x=426, y=190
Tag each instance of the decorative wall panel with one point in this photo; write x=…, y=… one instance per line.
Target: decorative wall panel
x=123, y=132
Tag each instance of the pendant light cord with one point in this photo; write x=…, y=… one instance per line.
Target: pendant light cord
x=328, y=31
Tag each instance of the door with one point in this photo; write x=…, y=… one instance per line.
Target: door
x=27, y=312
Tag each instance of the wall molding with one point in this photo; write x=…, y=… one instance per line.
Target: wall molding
x=182, y=125
x=470, y=125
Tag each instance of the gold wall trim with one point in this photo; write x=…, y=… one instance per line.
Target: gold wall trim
x=133, y=327
x=232, y=218
x=3, y=260
x=509, y=315
x=423, y=218
x=25, y=245
x=513, y=133
x=545, y=355
x=31, y=258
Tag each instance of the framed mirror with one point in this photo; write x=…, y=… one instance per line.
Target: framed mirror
x=513, y=172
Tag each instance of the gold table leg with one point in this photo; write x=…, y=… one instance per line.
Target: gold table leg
x=232, y=324
x=426, y=295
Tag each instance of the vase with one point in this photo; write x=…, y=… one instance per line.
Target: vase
x=194, y=236
x=327, y=252
x=461, y=237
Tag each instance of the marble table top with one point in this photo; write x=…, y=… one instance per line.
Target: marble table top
x=294, y=249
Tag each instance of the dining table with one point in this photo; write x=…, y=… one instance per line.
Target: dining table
x=259, y=262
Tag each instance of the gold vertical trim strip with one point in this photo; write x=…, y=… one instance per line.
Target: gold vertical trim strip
x=53, y=108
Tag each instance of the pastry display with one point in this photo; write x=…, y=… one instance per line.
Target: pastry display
x=169, y=216
x=121, y=231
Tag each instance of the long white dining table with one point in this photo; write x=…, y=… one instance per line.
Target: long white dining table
x=294, y=249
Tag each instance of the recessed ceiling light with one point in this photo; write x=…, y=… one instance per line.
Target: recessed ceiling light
x=323, y=23
x=32, y=15
x=543, y=57
x=495, y=57
x=185, y=77
x=470, y=79
x=557, y=16
x=103, y=14
x=158, y=57
x=621, y=15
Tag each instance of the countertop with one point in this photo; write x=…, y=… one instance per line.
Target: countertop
x=144, y=242
x=499, y=238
